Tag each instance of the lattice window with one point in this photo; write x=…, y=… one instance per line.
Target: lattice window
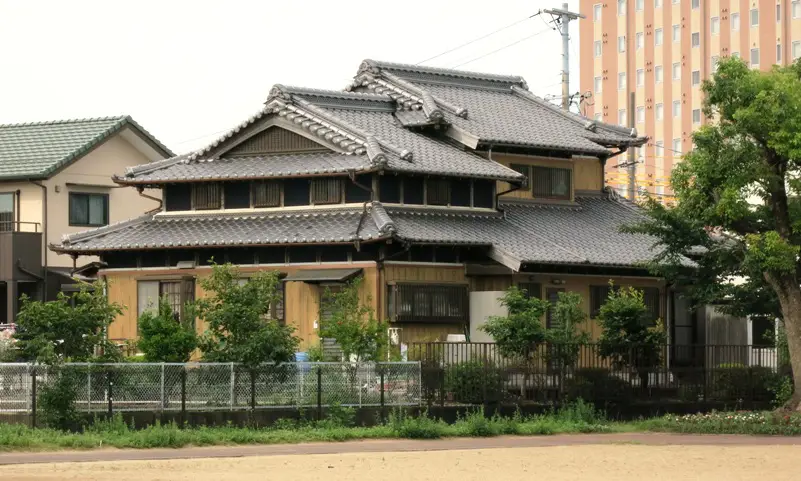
x=431, y=303
x=326, y=191
x=551, y=182
x=266, y=194
x=438, y=191
x=206, y=196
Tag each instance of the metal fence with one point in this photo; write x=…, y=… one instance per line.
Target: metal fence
x=474, y=373
x=213, y=386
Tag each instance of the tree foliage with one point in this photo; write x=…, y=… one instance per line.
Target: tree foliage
x=738, y=212
x=519, y=333
x=237, y=318
x=68, y=328
x=353, y=324
x=162, y=338
x=566, y=335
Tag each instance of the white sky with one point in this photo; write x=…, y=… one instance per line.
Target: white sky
x=187, y=70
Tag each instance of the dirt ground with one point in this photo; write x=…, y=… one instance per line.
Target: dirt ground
x=618, y=462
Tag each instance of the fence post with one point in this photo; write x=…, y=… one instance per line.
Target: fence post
x=162, y=388
x=253, y=389
x=110, y=380
x=233, y=384
x=319, y=393
x=381, y=378
x=183, y=396
x=33, y=398
x=89, y=388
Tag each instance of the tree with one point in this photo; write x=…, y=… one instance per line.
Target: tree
x=741, y=185
x=628, y=336
x=237, y=316
x=566, y=337
x=68, y=328
x=353, y=324
x=162, y=338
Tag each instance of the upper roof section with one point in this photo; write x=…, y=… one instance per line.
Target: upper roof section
x=37, y=150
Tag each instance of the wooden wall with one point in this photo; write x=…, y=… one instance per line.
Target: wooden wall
x=587, y=172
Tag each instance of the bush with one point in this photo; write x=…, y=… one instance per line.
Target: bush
x=420, y=427
x=469, y=381
x=163, y=338
x=734, y=382
x=56, y=400
x=476, y=424
x=596, y=384
x=580, y=412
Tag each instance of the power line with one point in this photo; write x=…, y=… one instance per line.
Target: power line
x=499, y=49
x=475, y=40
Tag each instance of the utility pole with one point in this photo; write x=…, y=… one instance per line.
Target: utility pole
x=632, y=167
x=561, y=18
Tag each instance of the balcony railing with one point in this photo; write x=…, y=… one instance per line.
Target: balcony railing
x=19, y=226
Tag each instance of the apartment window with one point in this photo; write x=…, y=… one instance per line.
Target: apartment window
x=266, y=194
x=177, y=293
x=796, y=9
x=660, y=148
x=438, y=191
x=754, y=17
x=657, y=3
x=659, y=111
x=796, y=49
x=639, y=5
x=696, y=77
x=621, y=80
x=696, y=39
x=326, y=191
x=429, y=303
x=735, y=21
x=597, y=48
x=598, y=117
x=696, y=3
x=676, y=108
x=88, y=209
x=621, y=117
x=778, y=53
x=596, y=12
x=597, y=83
x=640, y=77
x=714, y=25
x=676, y=33
x=754, y=57
x=733, y=55
x=658, y=36
x=551, y=182
x=696, y=116
x=621, y=7
x=658, y=73
x=779, y=13
x=207, y=195
x=6, y=212
x=677, y=71
x=714, y=63
x=676, y=147
x=640, y=115
x=639, y=40
x=621, y=44
x=675, y=2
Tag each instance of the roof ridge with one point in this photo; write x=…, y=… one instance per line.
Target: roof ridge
x=164, y=215
x=297, y=90
x=66, y=121
x=370, y=64
x=132, y=171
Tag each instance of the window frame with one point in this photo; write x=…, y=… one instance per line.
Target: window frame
x=751, y=62
x=640, y=114
x=9, y=224
x=752, y=15
x=695, y=77
x=640, y=77
x=444, y=183
x=550, y=181
x=621, y=81
x=659, y=111
x=676, y=143
x=259, y=183
x=676, y=108
x=695, y=39
x=714, y=25
x=676, y=33
x=622, y=5
x=734, y=19
x=675, y=71
x=659, y=37
x=621, y=117
x=778, y=53
x=698, y=112
x=597, y=49
x=659, y=148
x=597, y=12
x=340, y=194
x=621, y=44
x=186, y=290
x=796, y=47
x=106, y=208
x=639, y=40
x=208, y=206
x=795, y=9
x=659, y=74
x=417, y=302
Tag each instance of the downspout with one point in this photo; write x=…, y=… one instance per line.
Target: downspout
x=141, y=191
x=352, y=176
x=44, y=234
x=499, y=194
x=18, y=207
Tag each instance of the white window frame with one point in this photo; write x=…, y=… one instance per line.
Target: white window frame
x=796, y=49
x=597, y=48
x=778, y=53
x=754, y=56
x=621, y=7
x=622, y=120
x=640, y=77
x=695, y=39
x=714, y=25
x=639, y=5
x=659, y=111
x=597, y=11
x=674, y=144
x=657, y=3
x=778, y=12
x=621, y=81
x=713, y=63
x=640, y=115
x=753, y=14
x=621, y=44
x=658, y=74
x=796, y=8
x=676, y=108
x=696, y=74
x=639, y=40
x=598, y=117
x=676, y=33
x=658, y=37
x=597, y=84
x=676, y=71
x=695, y=4
x=659, y=148
x=696, y=114
x=734, y=55
x=734, y=19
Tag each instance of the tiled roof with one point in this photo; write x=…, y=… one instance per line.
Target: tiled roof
x=322, y=226
x=36, y=150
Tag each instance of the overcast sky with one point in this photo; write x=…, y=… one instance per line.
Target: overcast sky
x=187, y=70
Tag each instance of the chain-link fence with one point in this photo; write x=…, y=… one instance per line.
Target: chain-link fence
x=213, y=386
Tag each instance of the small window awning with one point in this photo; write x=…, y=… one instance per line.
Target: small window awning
x=318, y=276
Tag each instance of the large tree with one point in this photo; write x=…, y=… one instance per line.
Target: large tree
x=737, y=210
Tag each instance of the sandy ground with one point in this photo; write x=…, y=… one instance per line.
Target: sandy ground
x=618, y=462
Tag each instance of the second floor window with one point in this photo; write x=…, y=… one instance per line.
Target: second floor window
x=438, y=191
x=266, y=194
x=326, y=191
x=6, y=212
x=206, y=196
x=88, y=210
x=551, y=183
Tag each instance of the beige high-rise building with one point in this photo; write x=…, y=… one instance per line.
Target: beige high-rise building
x=661, y=50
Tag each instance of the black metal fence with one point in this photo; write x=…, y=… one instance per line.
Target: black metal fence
x=478, y=373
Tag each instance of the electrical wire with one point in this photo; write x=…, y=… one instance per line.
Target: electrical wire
x=499, y=49
x=475, y=40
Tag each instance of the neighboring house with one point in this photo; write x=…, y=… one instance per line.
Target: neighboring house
x=56, y=179
x=414, y=178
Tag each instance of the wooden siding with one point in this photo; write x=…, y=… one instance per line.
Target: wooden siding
x=587, y=172
x=275, y=140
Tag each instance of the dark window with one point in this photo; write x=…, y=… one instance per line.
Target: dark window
x=174, y=256
x=272, y=255
x=446, y=254
x=296, y=192
x=531, y=289
x=178, y=294
x=266, y=193
x=334, y=253
x=205, y=256
x=650, y=296
x=438, y=191
x=354, y=193
x=422, y=253
x=389, y=187
x=484, y=193
x=431, y=303
x=242, y=255
x=206, y=196
x=327, y=293
x=460, y=193
x=154, y=258
x=88, y=209
x=550, y=182
x=326, y=191
x=523, y=169
x=367, y=252
x=413, y=190
x=121, y=259
x=237, y=195
x=302, y=254
x=552, y=296
x=763, y=331
x=7, y=212
x=178, y=197
x=277, y=308
x=598, y=296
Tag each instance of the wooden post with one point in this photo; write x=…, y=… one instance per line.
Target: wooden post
x=33, y=398
x=383, y=414
x=319, y=393
x=183, y=396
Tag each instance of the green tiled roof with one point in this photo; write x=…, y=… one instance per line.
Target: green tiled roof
x=36, y=150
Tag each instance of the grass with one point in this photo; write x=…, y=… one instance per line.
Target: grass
x=576, y=418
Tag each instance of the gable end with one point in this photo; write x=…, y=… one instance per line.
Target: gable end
x=276, y=140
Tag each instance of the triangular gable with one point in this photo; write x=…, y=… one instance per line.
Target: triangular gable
x=276, y=140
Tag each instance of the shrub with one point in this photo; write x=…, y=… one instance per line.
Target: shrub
x=420, y=427
x=596, y=384
x=476, y=424
x=470, y=381
x=56, y=400
x=353, y=324
x=580, y=412
x=163, y=338
x=732, y=382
